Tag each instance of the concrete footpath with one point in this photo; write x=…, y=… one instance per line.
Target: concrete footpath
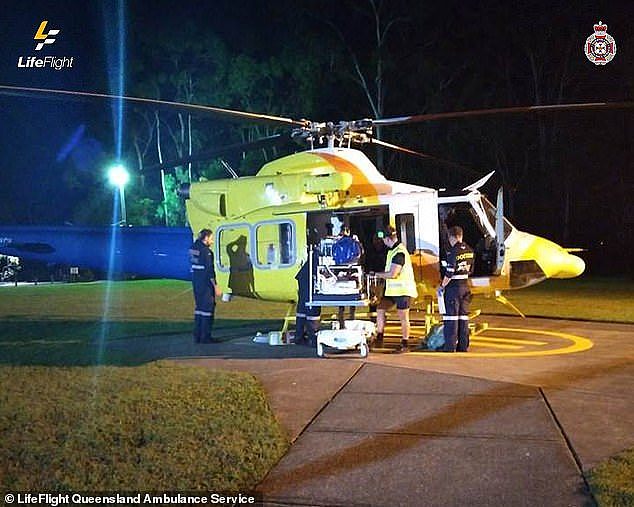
x=444, y=430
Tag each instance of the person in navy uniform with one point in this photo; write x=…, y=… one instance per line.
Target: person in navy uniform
x=204, y=285
x=307, y=318
x=454, y=288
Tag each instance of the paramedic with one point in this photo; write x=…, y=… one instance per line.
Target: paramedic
x=204, y=285
x=455, y=290
x=307, y=318
x=400, y=287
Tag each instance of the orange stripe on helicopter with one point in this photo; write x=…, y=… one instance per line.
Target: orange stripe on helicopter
x=361, y=185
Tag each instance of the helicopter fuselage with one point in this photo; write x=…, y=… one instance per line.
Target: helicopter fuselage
x=264, y=224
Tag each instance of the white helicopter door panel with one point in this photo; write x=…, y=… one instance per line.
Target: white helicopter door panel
x=499, y=233
x=428, y=232
x=423, y=206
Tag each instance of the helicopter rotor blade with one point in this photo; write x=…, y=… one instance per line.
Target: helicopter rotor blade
x=265, y=142
x=402, y=149
x=228, y=114
x=417, y=118
x=425, y=156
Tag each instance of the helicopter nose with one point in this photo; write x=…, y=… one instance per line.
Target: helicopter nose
x=570, y=266
x=556, y=262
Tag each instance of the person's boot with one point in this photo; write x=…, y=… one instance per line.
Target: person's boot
x=197, y=326
x=205, y=329
x=404, y=347
x=300, y=340
x=313, y=330
x=378, y=341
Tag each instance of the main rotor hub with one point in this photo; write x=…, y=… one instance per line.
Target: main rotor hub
x=342, y=132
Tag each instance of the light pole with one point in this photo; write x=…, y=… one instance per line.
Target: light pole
x=119, y=177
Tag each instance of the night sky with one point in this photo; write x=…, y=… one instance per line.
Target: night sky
x=568, y=176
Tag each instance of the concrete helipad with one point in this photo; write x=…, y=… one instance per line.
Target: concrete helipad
x=495, y=426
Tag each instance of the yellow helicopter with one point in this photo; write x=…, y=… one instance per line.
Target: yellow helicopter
x=264, y=225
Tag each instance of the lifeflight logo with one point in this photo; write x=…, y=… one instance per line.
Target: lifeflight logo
x=40, y=35
x=44, y=38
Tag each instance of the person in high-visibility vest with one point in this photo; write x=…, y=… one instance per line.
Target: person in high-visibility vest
x=400, y=287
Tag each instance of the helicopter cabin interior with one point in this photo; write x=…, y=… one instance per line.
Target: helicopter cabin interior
x=340, y=274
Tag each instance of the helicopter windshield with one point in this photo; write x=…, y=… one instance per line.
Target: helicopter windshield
x=490, y=212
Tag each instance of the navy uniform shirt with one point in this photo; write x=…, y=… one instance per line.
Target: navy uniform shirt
x=459, y=262
x=302, y=276
x=202, y=259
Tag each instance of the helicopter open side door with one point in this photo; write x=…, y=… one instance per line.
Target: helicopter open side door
x=500, y=249
x=415, y=216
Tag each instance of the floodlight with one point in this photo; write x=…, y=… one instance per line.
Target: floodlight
x=118, y=175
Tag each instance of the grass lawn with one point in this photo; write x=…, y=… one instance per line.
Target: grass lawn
x=612, y=482
x=602, y=299
x=87, y=323
x=130, y=423
x=154, y=427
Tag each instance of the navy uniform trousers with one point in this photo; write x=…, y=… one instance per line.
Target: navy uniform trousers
x=205, y=301
x=307, y=319
x=456, y=317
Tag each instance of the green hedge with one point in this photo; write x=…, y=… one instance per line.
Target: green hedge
x=154, y=427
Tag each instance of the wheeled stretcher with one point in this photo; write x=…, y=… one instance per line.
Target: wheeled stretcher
x=355, y=335
x=341, y=286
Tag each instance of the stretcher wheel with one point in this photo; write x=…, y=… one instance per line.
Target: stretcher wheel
x=363, y=349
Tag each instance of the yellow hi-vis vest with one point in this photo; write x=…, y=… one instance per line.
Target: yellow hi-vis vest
x=405, y=283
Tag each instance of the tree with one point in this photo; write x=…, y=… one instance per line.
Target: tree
x=369, y=71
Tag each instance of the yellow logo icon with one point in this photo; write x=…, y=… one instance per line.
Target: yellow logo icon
x=46, y=38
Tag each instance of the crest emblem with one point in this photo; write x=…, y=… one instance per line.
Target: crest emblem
x=600, y=47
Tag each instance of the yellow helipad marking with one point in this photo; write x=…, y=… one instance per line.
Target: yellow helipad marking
x=575, y=344
x=477, y=343
x=506, y=340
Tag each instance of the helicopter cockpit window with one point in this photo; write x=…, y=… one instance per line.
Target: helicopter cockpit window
x=275, y=244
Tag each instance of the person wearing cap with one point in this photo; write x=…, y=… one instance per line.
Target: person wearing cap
x=204, y=285
x=400, y=287
x=454, y=289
